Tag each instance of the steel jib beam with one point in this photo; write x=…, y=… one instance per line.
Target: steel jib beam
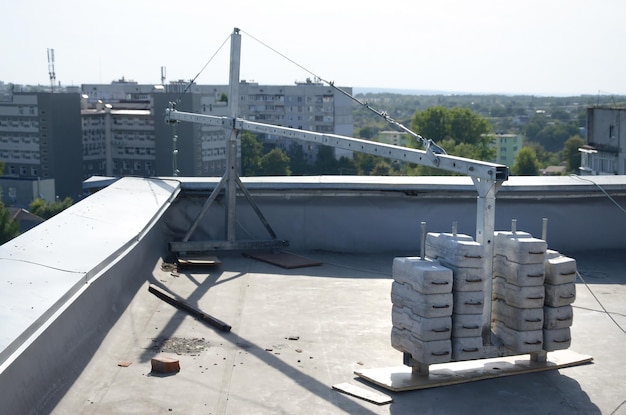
x=472, y=168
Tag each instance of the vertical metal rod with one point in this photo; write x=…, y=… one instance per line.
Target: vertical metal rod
x=485, y=228
x=513, y=225
x=454, y=228
x=231, y=148
x=544, y=230
x=423, y=244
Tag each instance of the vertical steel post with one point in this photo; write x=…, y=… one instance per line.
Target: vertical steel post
x=232, y=145
x=485, y=228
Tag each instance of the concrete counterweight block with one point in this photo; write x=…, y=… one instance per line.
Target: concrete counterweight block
x=557, y=339
x=523, y=275
x=519, y=341
x=520, y=247
x=465, y=279
x=425, y=352
x=425, y=329
x=423, y=275
x=469, y=302
x=466, y=325
x=559, y=269
x=560, y=295
x=520, y=319
x=456, y=250
x=557, y=317
x=424, y=305
x=516, y=296
x=467, y=348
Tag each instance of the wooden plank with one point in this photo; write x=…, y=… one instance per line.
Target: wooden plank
x=198, y=260
x=362, y=393
x=283, y=259
x=401, y=378
x=179, y=302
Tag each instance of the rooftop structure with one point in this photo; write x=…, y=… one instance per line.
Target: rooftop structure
x=72, y=322
x=332, y=295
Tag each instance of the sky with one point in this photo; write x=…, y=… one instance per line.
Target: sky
x=539, y=47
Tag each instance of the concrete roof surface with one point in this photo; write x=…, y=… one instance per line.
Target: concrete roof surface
x=297, y=332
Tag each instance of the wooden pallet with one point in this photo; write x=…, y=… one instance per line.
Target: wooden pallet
x=401, y=378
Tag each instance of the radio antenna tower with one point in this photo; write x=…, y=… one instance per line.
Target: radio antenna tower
x=53, y=76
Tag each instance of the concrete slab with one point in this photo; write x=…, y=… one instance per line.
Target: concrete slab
x=295, y=333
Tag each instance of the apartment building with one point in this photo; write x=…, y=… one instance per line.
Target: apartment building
x=507, y=146
x=40, y=146
x=200, y=150
x=51, y=142
x=606, y=136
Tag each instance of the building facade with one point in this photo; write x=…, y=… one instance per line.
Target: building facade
x=40, y=143
x=606, y=137
x=54, y=141
x=507, y=147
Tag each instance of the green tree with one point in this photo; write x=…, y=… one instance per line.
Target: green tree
x=326, y=163
x=552, y=137
x=571, y=154
x=9, y=228
x=460, y=124
x=526, y=163
x=46, y=210
x=251, y=153
x=297, y=160
x=275, y=163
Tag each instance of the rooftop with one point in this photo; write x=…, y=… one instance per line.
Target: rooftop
x=80, y=326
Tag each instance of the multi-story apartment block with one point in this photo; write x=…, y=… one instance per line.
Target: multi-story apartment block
x=200, y=150
x=40, y=146
x=604, y=152
x=118, y=140
x=51, y=142
x=507, y=146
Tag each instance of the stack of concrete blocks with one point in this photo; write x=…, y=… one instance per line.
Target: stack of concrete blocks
x=421, y=295
x=560, y=290
x=465, y=258
x=518, y=292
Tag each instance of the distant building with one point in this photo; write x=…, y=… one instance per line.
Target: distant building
x=606, y=137
x=507, y=146
x=200, y=150
x=51, y=142
x=40, y=146
x=396, y=138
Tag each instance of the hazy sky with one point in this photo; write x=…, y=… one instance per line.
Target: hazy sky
x=546, y=47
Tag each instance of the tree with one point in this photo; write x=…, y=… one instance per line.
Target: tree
x=297, y=159
x=552, y=137
x=275, y=163
x=251, y=153
x=9, y=228
x=46, y=210
x=571, y=154
x=326, y=162
x=460, y=124
x=526, y=163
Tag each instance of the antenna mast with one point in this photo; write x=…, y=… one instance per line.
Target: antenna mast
x=51, y=73
x=162, y=75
